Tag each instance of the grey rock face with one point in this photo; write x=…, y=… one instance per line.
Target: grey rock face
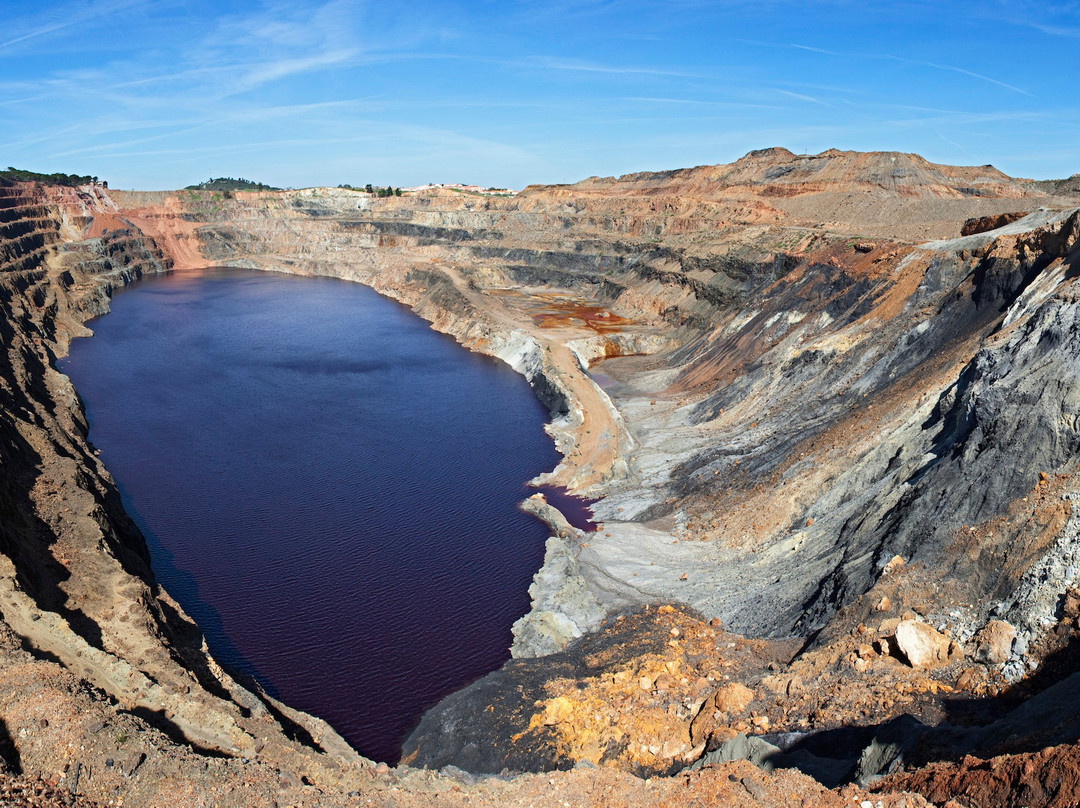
x=563, y=608
x=1012, y=411
x=881, y=753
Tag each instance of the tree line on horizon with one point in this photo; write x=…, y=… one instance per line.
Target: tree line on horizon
x=68, y=180
x=230, y=184
x=389, y=190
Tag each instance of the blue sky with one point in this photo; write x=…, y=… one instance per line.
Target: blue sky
x=163, y=93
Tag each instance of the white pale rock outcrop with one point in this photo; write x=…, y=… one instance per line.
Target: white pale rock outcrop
x=922, y=645
x=563, y=608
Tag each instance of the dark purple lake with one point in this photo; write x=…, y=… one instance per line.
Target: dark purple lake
x=328, y=486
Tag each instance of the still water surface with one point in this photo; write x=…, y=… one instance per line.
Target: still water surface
x=326, y=485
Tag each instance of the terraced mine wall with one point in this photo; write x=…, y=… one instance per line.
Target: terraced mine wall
x=784, y=370
x=829, y=423
x=78, y=598
x=808, y=402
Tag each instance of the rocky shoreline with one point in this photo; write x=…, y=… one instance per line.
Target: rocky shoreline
x=822, y=431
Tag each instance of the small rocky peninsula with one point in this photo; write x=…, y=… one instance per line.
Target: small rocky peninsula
x=828, y=406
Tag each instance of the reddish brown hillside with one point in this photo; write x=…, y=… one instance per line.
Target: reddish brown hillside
x=877, y=193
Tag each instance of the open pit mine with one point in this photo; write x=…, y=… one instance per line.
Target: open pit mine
x=829, y=408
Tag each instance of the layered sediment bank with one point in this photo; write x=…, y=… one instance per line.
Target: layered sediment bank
x=831, y=424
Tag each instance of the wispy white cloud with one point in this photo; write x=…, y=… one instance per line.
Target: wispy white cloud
x=958, y=146
x=279, y=41
x=963, y=71
x=107, y=129
x=241, y=55
x=1071, y=32
x=822, y=51
x=127, y=146
x=922, y=63
x=256, y=75
x=583, y=66
x=1058, y=19
x=801, y=97
x=834, y=89
x=324, y=86
x=66, y=16
x=695, y=102
x=366, y=145
x=88, y=129
x=957, y=119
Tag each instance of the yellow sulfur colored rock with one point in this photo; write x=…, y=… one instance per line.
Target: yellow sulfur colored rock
x=733, y=698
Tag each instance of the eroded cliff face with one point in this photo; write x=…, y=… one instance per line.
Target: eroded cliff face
x=819, y=421
x=787, y=402
x=99, y=663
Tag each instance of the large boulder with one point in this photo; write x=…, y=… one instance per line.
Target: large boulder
x=993, y=645
x=733, y=698
x=922, y=645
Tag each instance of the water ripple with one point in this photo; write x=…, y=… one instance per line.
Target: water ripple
x=328, y=487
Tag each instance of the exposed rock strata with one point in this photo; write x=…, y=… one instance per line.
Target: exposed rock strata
x=561, y=601
x=75, y=582
x=800, y=387
x=785, y=360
